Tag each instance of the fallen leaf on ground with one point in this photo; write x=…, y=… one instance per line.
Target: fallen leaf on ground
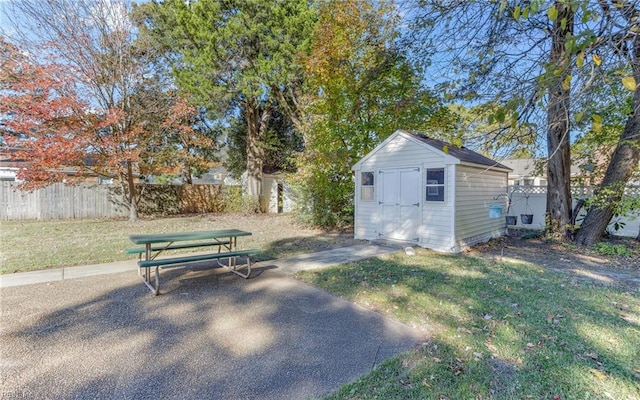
x=598, y=374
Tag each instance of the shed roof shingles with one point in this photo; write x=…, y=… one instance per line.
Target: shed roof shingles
x=461, y=153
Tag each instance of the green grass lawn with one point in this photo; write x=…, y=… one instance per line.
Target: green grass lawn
x=497, y=330
x=34, y=245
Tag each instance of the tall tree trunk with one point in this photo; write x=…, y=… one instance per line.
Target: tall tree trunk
x=186, y=173
x=623, y=161
x=558, y=150
x=290, y=103
x=130, y=193
x=626, y=156
x=256, y=123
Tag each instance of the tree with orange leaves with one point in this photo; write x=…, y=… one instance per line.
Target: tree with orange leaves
x=42, y=118
x=119, y=108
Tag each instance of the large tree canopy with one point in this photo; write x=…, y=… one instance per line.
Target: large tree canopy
x=280, y=143
x=237, y=58
x=42, y=118
x=541, y=60
x=361, y=88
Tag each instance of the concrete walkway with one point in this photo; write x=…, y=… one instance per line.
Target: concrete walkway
x=287, y=266
x=97, y=332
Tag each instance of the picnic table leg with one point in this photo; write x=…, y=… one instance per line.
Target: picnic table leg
x=233, y=266
x=230, y=247
x=147, y=256
x=147, y=280
x=147, y=274
x=233, y=262
x=157, y=288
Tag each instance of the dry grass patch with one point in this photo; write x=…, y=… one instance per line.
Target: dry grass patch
x=33, y=245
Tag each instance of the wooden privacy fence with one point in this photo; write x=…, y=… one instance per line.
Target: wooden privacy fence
x=59, y=201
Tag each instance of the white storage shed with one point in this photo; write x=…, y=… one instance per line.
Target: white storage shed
x=277, y=194
x=423, y=191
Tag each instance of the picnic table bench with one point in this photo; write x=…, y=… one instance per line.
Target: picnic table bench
x=140, y=251
x=224, y=241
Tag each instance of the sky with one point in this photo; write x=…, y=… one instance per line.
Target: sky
x=439, y=72
x=4, y=23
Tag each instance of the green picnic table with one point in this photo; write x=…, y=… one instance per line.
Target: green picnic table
x=223, y=244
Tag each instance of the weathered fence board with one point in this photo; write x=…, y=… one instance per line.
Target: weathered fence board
x=60, y=201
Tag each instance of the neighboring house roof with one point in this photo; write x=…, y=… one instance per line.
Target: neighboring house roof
x=7, y=158
x=461, y=154
x=524, y=166
x=533, y=167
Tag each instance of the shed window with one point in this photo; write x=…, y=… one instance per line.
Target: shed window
x=435, y=184
x=366, y=186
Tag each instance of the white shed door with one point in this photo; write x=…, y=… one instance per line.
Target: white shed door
x=399, y=203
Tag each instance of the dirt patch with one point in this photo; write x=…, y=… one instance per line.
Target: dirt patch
x=504, y=377
x=580, y=261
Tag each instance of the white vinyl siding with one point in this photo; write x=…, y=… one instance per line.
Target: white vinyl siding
x=461, y=219
x=366, y=217
x=476, y=189
x=398, y=153
x=435, y=232
x=366, y=221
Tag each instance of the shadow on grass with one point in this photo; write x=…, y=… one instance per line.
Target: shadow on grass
x=500, y=330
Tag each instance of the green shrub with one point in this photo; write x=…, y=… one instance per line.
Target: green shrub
x=236, y=201
x=532, y=235
x=610, y=249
